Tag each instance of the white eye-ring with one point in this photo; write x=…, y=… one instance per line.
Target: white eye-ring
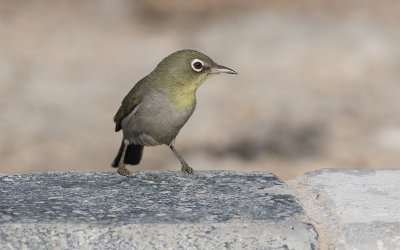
x=197, y=65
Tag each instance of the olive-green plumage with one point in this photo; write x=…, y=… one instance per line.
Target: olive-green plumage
x=157, y=107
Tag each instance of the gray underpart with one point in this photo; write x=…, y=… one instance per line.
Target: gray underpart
x=155, y=120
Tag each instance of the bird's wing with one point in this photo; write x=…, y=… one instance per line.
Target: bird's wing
x=130, y=102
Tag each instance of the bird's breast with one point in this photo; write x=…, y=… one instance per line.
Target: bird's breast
x=160, y=117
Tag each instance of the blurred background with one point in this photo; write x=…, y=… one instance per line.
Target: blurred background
x=318, y=84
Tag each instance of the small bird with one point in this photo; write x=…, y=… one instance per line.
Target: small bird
x=157, y=107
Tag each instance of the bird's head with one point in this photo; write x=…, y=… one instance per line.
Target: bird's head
x=189, y=68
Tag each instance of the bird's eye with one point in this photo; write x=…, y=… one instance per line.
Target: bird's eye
x=197, y=65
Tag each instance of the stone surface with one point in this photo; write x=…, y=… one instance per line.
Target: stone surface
x=352, y=209
x=154, y=209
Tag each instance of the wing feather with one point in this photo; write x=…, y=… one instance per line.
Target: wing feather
x=129, y=103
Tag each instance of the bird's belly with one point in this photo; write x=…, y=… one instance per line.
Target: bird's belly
x=155, y=122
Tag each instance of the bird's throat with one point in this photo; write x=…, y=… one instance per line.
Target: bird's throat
x=184, y=100
x=184, y=95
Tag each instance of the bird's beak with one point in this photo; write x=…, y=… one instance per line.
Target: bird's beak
x=221, y=69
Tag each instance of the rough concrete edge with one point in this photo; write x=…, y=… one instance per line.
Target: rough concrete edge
x=112, y=171
x=319, y=209
x=302, y=218
x=86, y=236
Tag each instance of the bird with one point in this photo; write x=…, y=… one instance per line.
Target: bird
x=158, y=106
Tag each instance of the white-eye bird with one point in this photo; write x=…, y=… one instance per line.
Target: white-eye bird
x=158, y=106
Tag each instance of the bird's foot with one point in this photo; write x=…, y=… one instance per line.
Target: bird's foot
x=122, y=170
x=186, y=169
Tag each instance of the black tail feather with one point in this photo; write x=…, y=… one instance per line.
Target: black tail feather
x=133, y=154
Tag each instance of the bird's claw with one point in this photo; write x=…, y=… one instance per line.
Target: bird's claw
x=122, y=170
x=186, y=169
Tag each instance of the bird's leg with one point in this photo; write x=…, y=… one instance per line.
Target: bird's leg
x=185, y=167
x=122, y=170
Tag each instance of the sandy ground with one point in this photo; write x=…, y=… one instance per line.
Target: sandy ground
x=318, y=84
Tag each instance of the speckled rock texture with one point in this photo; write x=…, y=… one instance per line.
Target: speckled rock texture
x=154, y=209
x=352, y=209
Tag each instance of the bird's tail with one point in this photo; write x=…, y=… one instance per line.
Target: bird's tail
x=133, y=154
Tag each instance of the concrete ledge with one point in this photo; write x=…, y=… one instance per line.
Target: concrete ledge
x=219, y=209
x=325, y=209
